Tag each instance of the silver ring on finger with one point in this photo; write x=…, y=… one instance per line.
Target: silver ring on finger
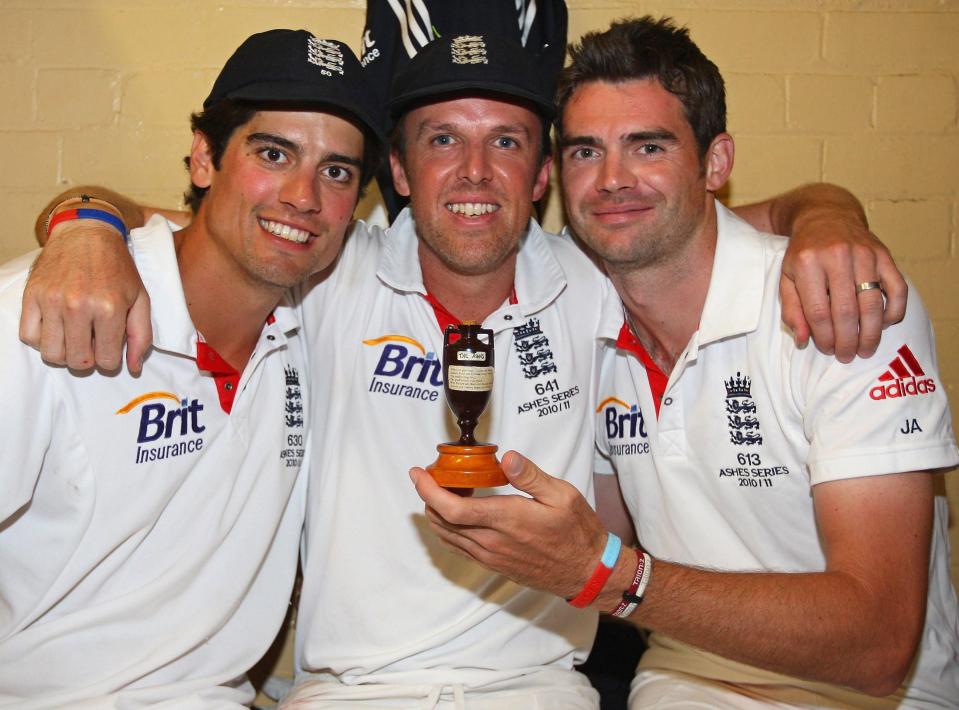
x=867, y=286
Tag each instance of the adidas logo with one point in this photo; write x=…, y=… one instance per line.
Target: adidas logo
x=903, y=378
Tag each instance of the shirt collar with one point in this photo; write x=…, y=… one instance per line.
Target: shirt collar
x=155, y=259
x=173, y=329
x=735, y=295
x=539, y=276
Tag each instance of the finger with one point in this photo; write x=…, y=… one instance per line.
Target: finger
x=52, y=348
x=449, y=506
x=844, y=306
x=139, y=332
x=870, y=321
x=78, y=335
x=108, y=341
x=792, y=314
x=526, y=476
x=895, y=288
x=456, y=541
x=30, y=322
x=813, y=289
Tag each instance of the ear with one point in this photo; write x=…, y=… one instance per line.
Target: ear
x=201, y=161
x=400, y=182
x=719, y=161
x=542, y=178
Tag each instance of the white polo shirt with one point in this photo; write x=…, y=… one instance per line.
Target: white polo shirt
x=148, y=539
x=383, y=600
x=748, y=423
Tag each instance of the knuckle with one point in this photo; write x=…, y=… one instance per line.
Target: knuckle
x=108, y=362
x=80, y=362
x=49, y=299
x=806, y=258
x=75, y=303
x=863, y=252
x=817, y=313
x=845, y=309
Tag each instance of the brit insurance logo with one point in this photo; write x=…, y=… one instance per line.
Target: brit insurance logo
x=903, y=378
x=625, y=427
x=169, y=425
x=404, y=368
x=741, y=412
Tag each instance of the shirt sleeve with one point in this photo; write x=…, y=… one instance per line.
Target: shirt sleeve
x=885, y=414
x=27, y=411
x=602, y=462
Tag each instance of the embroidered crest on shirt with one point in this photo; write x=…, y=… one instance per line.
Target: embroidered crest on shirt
x=326, y=55
x=294, y=447
x=532, y=348
x=294, y=399
x=468, y=49
x=904, y=377
x=741, y=412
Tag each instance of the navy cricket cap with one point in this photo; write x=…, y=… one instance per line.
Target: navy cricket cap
x=465, y=63
x=294, y=67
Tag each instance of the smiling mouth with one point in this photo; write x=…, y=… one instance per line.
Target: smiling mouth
x=623, y=209
x=285, y=231
x=471, y=209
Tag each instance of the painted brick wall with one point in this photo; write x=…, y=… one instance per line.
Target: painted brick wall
x=858, y=92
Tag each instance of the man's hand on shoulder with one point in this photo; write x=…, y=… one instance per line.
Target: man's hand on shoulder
x=832, y=255
x=83, y=295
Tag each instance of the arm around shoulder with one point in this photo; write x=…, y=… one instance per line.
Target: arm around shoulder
x=85, y=283
x=831, y=253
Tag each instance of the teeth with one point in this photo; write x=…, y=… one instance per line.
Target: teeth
x=471, y=209
x=285, y=231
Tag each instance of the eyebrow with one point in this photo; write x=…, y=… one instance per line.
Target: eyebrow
x=295, y=148
x=507, y=128
x=273, y=138
x=634, y=137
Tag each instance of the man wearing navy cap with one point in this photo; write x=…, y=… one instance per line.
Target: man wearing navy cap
x=149, y=525
x=388, y=618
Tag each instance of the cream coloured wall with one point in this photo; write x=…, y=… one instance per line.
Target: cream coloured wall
x=864, y=93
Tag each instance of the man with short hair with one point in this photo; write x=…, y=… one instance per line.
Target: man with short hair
x=149, y=525
x=793, y=550
x=386, y=616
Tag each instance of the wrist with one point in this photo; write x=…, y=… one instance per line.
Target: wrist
x=85, y=207
x=627, y=584
x=601, y=573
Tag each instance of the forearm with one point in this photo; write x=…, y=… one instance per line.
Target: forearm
x=786, y=213
x=824, y=627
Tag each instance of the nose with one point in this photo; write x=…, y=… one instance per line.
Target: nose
x=475, y=165
x=300, y=190
x=614, y=174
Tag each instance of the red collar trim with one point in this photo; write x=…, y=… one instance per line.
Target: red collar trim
x=225, y=376
x=657, y=378
x=444, y=318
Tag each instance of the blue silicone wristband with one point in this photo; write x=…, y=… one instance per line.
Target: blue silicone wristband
x=103, y=216
x=611, y=553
